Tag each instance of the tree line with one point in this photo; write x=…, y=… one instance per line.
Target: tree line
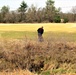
x=25, y=14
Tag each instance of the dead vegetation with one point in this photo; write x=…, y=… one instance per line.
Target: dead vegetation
x=46, y=57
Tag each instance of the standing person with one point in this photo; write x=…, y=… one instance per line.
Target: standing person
x=40, y=32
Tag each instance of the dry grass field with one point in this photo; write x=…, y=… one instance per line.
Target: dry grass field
x=20, y=49
x=60, y=27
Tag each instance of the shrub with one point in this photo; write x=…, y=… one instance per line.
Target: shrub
x=57, y=19
x=65, y=20
x=36, y=56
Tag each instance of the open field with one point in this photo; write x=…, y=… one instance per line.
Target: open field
x=65, y=31
x=20, y=49
x=60, y=27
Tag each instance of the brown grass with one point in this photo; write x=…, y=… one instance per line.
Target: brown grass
x=59, y=57
x=17, y=72
x=59, y=27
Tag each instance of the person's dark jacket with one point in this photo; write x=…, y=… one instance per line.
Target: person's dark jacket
x=40, y=30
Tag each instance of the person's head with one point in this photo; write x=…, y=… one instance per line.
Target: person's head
x=42, y=27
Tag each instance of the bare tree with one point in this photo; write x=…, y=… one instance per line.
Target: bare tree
x=4, y=11
x=31, y=14
x=74, y=13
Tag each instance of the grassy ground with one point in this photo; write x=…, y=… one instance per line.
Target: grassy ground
x=55, y=36
x=59, y=31
x=19, y=45
x=59, y=56
x=62, y=27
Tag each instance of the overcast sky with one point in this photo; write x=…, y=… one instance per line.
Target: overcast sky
x=66, y=5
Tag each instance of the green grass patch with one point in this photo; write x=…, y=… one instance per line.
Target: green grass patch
x=55, y=36
x=60, y=36
x=17, y=34
x=46, y=73
x=60, y=71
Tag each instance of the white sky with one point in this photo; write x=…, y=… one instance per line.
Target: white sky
x=66, y=5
